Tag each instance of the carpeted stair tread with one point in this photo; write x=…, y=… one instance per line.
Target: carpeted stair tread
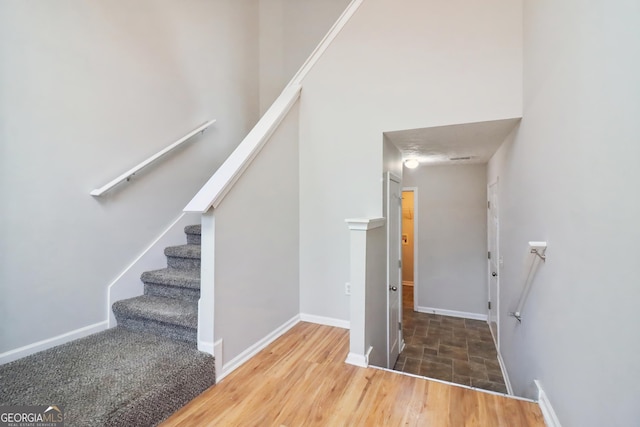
x=193, y=234
x=113, y=378
x=193, y=229
x=183, y=251
x=184, y=278
x=169, y=311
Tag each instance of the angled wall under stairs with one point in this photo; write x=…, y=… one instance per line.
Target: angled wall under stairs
x=169, y=305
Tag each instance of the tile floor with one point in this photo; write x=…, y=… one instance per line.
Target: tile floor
x=448, y=348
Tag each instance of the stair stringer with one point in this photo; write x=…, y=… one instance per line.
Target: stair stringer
x=128, y=284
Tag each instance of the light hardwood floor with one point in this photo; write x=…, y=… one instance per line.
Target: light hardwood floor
x=301, y=380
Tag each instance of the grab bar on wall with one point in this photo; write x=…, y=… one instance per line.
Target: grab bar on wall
x=536, y=256
x=131, y=172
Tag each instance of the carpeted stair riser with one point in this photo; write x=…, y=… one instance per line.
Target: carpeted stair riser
x=174, y=318
x=193, y=234
x=174, y=332
x=172, y=283
x=177, y=262
x=183, y=257
x=169, y=291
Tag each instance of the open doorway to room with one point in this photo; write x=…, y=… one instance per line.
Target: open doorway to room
x=446, y=324
x=409, y=272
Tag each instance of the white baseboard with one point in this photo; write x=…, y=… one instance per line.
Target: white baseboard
x=505, y=374
x=217, y=354
x=328, y=321
x=361, y=360
x=550, y=417
x=237, y=361
x=206, y=347
x=18, y=353
x=452, y=313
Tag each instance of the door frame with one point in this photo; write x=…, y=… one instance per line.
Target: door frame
x=496, y=257
x=389, y=176
x=414, y=190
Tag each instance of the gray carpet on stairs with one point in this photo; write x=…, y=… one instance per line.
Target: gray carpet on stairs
x=114, y=378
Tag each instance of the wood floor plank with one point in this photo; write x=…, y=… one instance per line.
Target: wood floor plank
x=301, y=380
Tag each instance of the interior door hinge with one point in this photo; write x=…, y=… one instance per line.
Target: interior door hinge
x=489, y=255
x=489, y=305
x=488, y=204
x=399, y=263
x=399, y=326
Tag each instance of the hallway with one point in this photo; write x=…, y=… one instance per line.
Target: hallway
x=448, y=348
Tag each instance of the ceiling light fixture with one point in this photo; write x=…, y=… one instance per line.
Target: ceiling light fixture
x=412, y=163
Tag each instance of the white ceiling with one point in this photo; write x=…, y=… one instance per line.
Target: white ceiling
x=438, y=145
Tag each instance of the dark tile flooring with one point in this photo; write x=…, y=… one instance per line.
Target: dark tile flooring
x=448, y=348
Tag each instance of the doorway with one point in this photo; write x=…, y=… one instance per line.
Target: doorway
x=409, y=248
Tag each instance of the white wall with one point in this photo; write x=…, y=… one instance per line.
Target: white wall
x=569, y=176
x=256, y=246
x=90, y=89
x=396, y=65
x=289, y=31
x=452, y=237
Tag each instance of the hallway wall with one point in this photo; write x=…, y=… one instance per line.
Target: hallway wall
x=569, y=176
x=395, y=65
x=452, y=237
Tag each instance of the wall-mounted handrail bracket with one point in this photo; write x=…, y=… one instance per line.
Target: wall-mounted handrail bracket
x=542, y=256
x=516, y=315
x=538, y=249
x=131, y=172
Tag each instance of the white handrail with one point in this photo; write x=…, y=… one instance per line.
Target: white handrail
x=536, y=256
x=128, y=174
x=223, y=179
x=212, y=193
x=325, y=42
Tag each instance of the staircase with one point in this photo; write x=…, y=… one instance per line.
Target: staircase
x=169, y=306
x=136, y=374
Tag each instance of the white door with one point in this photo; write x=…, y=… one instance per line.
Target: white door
x=493, y=255
x=394, y=268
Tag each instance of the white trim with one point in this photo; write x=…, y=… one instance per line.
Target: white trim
x=505, y=374
x=217, y=187
x=128, y=174
x=361, y=360
x=327, y=321
x=206, y=347
x=550, y=417
x=326, y=42
x=356, y=360
x=18, y=353
x=452, y=313
x=364, y=224
x=243, y=357
x=217, y=355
